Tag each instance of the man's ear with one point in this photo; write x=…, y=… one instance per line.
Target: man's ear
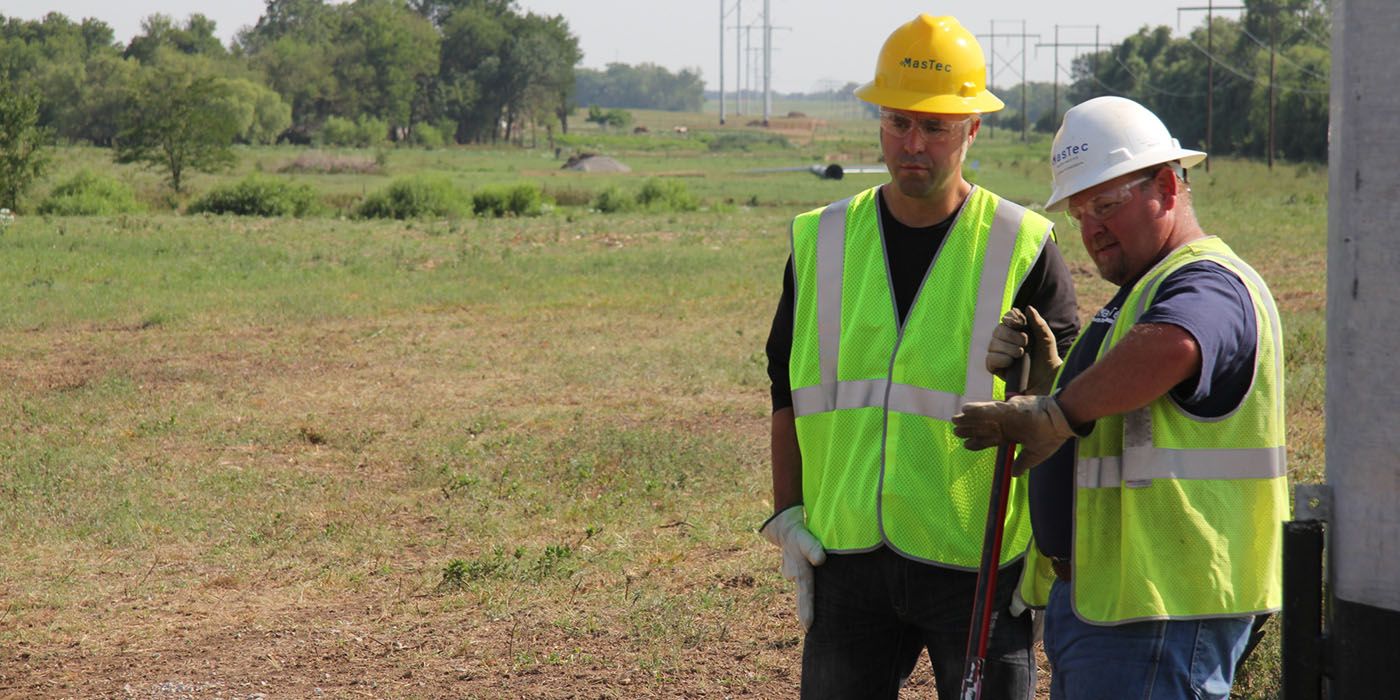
x=1167, y=183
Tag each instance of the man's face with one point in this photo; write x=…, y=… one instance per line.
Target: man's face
x=924, y=151
x=1119, y=224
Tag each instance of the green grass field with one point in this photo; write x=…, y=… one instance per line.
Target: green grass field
x=468, y=458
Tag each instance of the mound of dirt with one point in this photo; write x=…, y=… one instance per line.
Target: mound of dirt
x=592, y=163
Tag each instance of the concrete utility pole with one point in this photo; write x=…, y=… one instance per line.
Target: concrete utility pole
x=738, y=58
x=1363, y=332
x=721, y=61
x=768, y=62
x=1210, y=9
x=1056, y=46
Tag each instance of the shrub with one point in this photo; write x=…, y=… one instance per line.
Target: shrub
x=519, y=200
x=614, y=201
x=328, y=164
x=412, y=198
x=666, y=195
x=569, y=196
x=258, y=195
x=427, y=136
x=361, y=133
x=87, y=194
x=618, y=118
x=747, y=141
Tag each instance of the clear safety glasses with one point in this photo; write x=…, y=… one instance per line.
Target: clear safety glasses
x=932, y=130
x=1105, y=204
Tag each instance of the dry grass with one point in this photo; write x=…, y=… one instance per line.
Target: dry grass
x=517, y=458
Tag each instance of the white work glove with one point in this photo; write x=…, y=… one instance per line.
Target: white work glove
x=1036, y=422
x=801, y=551
x=1024, y=334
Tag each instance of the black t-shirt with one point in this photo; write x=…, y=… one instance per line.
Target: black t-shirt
x=1205, y=300
x=909, y=252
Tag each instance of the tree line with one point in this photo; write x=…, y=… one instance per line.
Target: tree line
x=1169, y=76
x=477, y=68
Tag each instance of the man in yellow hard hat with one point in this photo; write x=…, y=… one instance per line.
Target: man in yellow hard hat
x=1158, y=485
x=889, y=299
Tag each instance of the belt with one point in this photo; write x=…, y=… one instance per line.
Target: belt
x=1061, y=567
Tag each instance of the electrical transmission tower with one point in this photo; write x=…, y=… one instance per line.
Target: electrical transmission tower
x=1055, y=118
x=992, y=66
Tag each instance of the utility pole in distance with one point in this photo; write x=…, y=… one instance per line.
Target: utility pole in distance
x=992, y=37
x=721, y=62
x=1056, y=46
x=1210, y=9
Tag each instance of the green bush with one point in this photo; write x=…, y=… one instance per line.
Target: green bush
x=617, y=118
x=666, y=195
x=426, y=135
x=415, y=197
x=361, y=133
x=569, y=196
x=748, y=141
x=87, y=194
x=524, y=199
x=258, y=195
x=614, y=201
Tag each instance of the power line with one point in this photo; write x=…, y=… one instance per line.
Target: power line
x=1143, y=82
x=1262, y=45
x=1256, y=81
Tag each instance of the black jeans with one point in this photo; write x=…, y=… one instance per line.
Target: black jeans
x=875, y=613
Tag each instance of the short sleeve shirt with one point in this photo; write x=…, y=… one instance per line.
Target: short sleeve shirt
x=1208, y=302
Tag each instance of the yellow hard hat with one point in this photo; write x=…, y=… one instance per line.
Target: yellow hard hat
x=931, y=64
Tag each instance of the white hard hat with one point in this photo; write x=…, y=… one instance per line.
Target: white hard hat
x=1106, y=137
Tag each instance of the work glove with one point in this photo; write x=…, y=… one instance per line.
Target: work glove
x=1024, y=334
x=801, y=551
x=1036, y=422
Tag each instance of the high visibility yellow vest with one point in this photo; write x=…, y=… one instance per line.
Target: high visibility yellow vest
x=873, y=400
x=1178, y=516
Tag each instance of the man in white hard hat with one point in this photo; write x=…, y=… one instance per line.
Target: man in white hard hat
x=889, y=298
x=1160, y=490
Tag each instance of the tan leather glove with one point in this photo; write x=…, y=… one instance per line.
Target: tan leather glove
x=801, y=551
x=1024, y=334
x=1036, y=422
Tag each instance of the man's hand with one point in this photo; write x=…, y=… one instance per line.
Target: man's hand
x=1024, y=334
x=1035, y=422
x=801, y=552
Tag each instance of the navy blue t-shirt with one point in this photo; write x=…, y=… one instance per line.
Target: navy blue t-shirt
x=1205, y=300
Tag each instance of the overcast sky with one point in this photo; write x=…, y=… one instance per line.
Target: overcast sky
x=815, y=42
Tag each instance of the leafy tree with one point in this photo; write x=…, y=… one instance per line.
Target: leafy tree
x=644, y=86
x=22, y=154
x=159, y=31
x=177, y=120
x=385, y=51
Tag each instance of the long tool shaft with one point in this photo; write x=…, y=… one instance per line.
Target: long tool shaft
x=980, y=627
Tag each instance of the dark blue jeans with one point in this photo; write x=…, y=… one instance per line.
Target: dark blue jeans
x=1148, y=660
x=877, y=611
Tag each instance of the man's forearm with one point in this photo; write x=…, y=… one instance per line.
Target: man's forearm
x=787, y=461
x=1147, y=363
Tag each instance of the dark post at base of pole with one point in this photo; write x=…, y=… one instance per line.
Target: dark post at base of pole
x=1365, y=642
x=1303, y=648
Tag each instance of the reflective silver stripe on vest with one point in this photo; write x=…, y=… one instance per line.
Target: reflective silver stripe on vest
x=996, y=266
x=833, y=394
x=870, y=393
x=1157, y=463
x=831, y=260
